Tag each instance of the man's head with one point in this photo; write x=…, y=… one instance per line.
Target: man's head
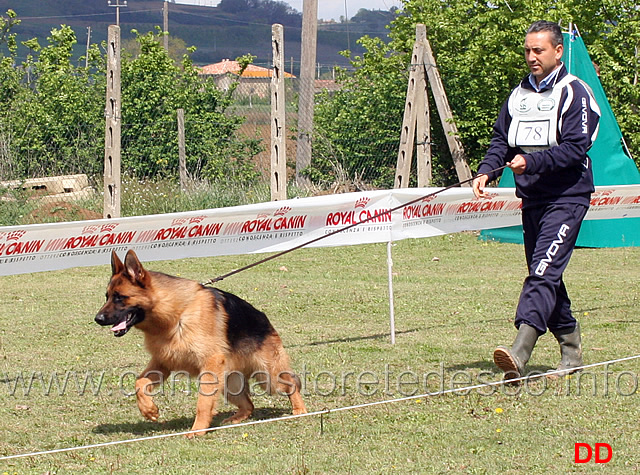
x=543, y=47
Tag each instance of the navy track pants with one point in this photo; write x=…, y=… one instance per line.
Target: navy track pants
x=550, y=234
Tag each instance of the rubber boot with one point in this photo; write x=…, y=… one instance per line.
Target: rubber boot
x=570, y=352
x=512, y=361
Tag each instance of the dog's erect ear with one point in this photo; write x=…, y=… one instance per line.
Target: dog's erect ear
x=134, y=269
x=116, y=264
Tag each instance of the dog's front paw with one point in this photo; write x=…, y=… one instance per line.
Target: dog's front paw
x=197, y=430
x=148, y=409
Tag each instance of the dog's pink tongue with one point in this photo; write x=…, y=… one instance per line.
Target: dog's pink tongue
x=120, y=326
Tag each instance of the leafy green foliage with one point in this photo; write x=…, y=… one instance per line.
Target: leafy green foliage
x=356, y=127
x=153, y=89
x=52, y=113
x=479, y=54
x=617, y=54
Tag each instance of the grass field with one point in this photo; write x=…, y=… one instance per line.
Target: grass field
x=455, y=298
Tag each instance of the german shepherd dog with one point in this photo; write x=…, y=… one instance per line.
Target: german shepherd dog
x=211, y=334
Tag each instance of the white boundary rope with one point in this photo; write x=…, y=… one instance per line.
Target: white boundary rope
x=529, y=377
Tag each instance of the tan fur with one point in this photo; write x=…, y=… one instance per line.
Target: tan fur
x=185, y=329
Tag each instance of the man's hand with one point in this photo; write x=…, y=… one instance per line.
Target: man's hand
x=518, y=164
x=479, y=183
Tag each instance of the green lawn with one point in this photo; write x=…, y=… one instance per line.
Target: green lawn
x=455, y=298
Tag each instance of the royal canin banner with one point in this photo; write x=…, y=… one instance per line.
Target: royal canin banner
x=280, y=225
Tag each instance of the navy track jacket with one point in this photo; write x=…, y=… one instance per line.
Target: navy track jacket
x=561, y=173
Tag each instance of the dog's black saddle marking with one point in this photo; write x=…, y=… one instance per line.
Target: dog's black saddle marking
x=245, y=324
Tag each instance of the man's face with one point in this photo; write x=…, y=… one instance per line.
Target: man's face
x=541, y=56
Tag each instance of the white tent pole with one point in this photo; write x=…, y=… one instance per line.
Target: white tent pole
x=570, y=47
x=392, y=320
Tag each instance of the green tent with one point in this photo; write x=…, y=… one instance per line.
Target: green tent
x=611, y=165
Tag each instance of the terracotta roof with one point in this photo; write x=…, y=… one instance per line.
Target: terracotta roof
x=228, y=66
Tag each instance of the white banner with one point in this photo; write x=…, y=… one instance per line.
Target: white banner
x=279, y=225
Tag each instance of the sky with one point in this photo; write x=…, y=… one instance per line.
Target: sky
x=327, y=9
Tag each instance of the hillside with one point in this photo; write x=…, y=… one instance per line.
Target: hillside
x=217, y=34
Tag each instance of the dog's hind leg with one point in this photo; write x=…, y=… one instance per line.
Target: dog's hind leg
x=289, y=384
x=153, y=375
x=236, y=391
x=281, y=378
x=211, y=380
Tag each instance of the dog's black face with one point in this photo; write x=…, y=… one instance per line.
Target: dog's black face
x=117, y=313
x=124, y=307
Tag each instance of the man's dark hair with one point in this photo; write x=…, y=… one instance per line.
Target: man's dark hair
x=551, y=27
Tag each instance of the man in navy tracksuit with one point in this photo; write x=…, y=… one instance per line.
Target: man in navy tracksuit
x=543, y=134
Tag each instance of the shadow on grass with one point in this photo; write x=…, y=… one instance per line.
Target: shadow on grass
x=182, y=424
x=489, y=365
x=377, y=336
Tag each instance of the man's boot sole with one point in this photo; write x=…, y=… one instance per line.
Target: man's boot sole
x=503, y=360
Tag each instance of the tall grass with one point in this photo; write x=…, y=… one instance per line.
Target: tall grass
x=139, y=197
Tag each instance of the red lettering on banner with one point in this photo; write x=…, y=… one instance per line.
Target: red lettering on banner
x=282, y=211
x=89, y=241
x=513, y=205
x=55, y=244
x=233, y=228
x=256, y=225
x=411, y=211
x=350, y=217
x=293, y=222
x=208, y=230
x=91, y=229
x=480, y=206
x=422, y=211
x=362, y=202
x=15, y=235
x=108, y=227
x=13, y=248
x=146, y=236
x=606, y=201
x=170, y=233
x=125, y=237
x=382, y=216
x=197, y=219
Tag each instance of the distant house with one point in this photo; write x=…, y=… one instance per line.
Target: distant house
x=326, y=85
x=255, y=80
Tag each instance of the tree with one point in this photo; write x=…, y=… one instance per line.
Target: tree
x=617, y=54
x=53, y=122
x=153, y=88
x=356, y=128
x=479, y=54
x=52, y=113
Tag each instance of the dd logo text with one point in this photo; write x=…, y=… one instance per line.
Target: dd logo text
x=601, y=453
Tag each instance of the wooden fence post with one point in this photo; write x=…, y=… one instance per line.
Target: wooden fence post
x=306, y=93
x=112, y=150
x=446, y=117
x=423, y=123
x=278, y=129
x=411, y=108
x=182, y=156
x=423, y=74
